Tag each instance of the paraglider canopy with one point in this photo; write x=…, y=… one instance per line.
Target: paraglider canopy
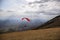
x=26, y=19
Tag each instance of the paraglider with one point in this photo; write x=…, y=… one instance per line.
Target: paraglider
x=26, y=19
x=25, y=25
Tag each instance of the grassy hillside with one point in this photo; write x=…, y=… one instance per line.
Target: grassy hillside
x=41, y=34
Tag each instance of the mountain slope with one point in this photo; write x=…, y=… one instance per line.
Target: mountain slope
x=55, y=22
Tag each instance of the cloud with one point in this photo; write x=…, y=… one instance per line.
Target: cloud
x=57, y=0
x=30, y=0
x=48, y=7
x=5, y=15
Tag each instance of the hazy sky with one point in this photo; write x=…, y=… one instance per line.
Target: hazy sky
x=7, y=4
x=21, y=7
x=39, y=6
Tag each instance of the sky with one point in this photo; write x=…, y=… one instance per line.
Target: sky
x=30, y=7
x=12, y=4
x=40, y=6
